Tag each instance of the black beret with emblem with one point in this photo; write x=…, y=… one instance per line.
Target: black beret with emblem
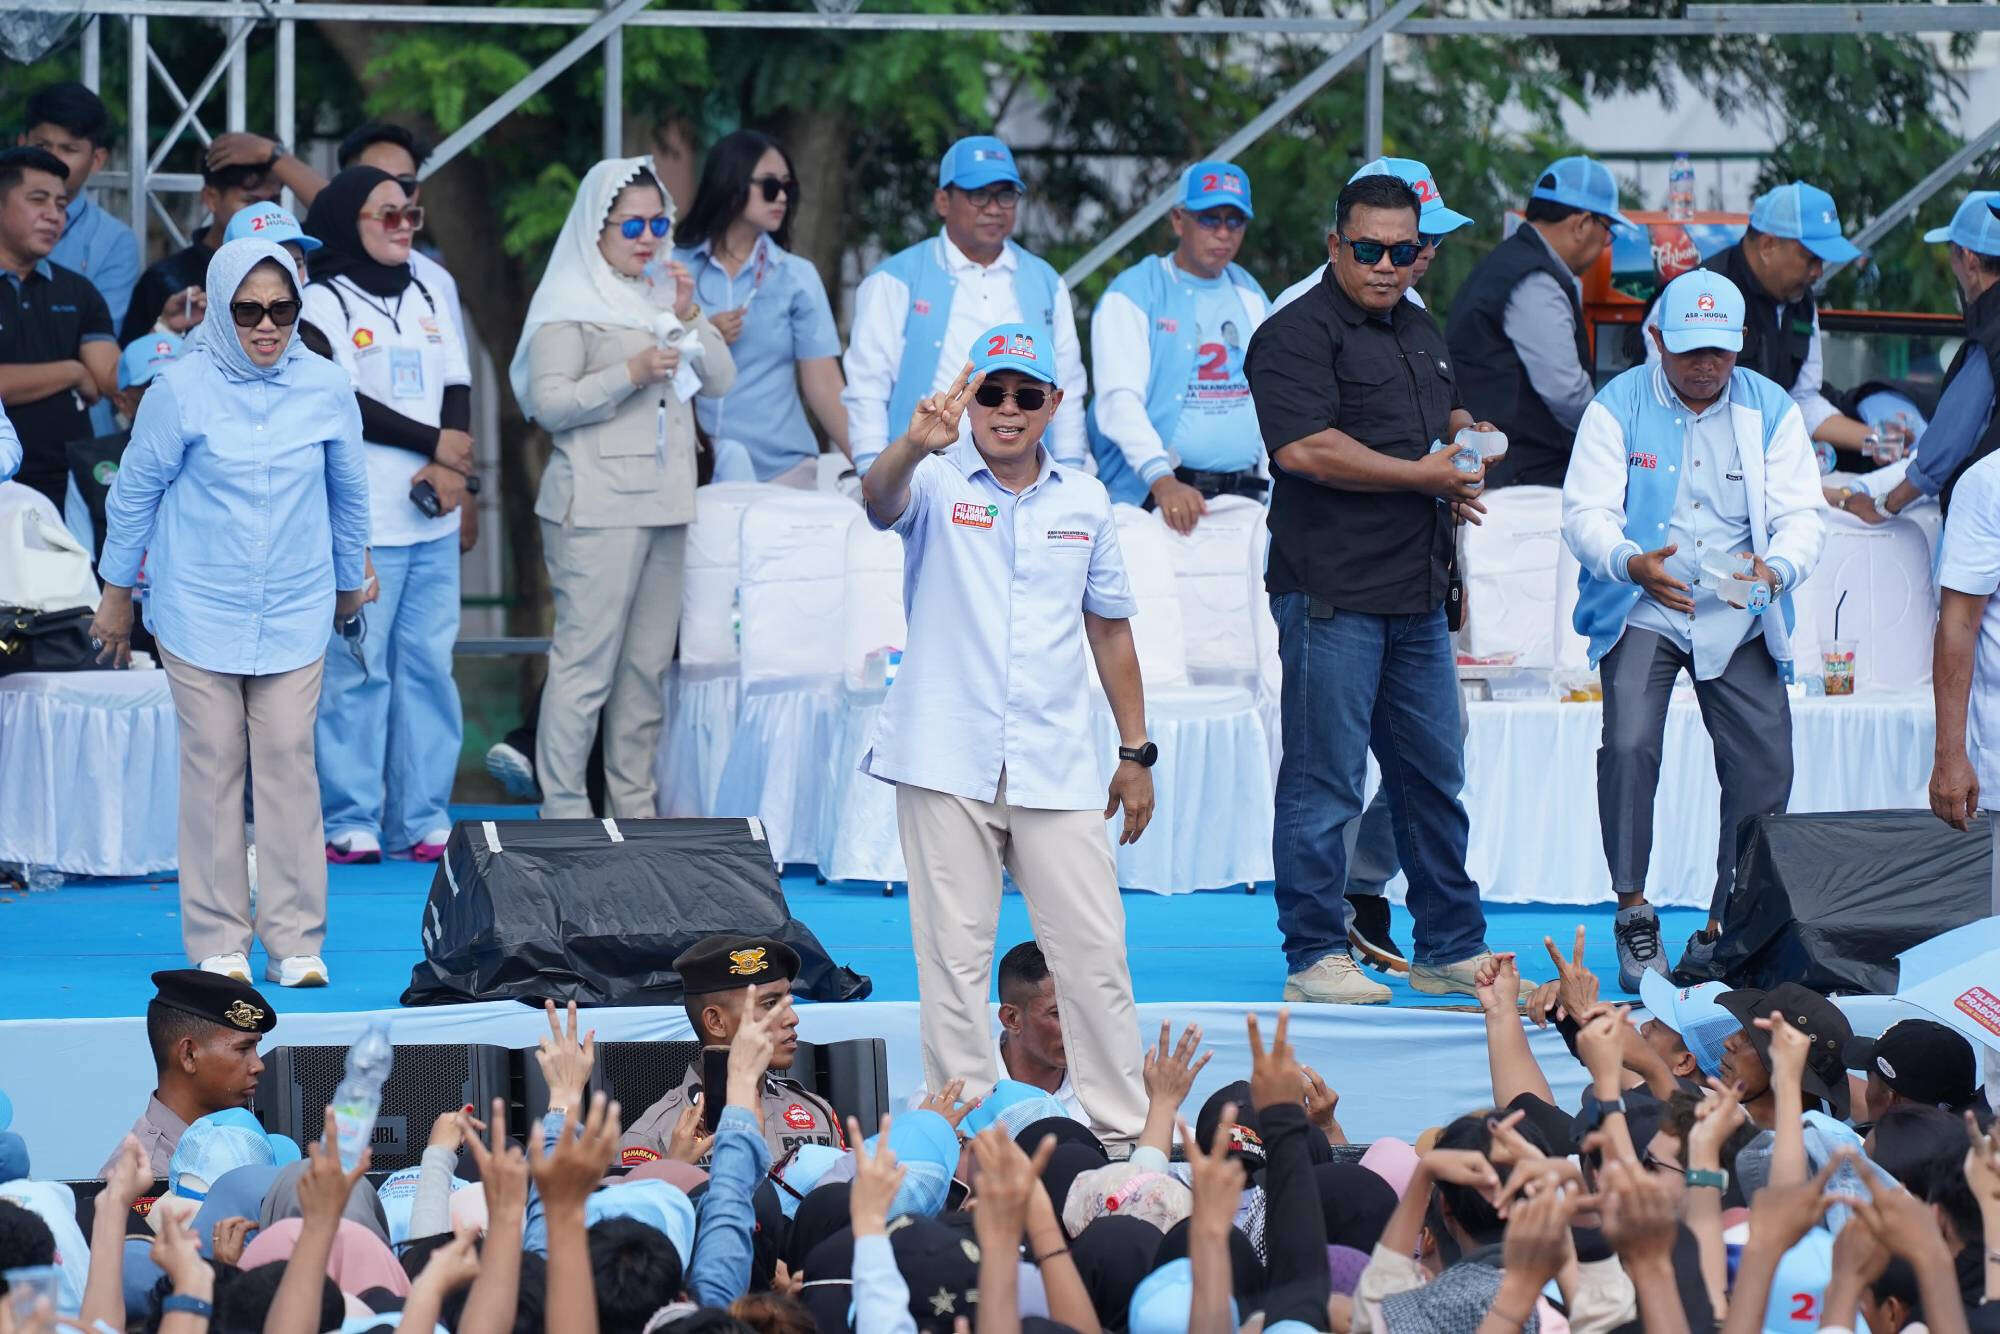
x=217, y=998
x=730, y=963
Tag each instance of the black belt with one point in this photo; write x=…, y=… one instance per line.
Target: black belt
x=1213, y=484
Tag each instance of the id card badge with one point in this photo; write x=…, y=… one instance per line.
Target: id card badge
x=406, y=373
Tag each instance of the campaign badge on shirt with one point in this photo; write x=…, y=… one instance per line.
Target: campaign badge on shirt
x=363, y=339
x=406, y=373
x=429, y=324
x=971, y=515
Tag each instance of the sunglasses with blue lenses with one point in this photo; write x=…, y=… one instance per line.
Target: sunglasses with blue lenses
x=1402, y=254
x=632, y=228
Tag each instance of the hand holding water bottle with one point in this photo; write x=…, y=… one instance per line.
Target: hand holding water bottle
x=351, y=1120
x=1741, y=580
x=325, y=1185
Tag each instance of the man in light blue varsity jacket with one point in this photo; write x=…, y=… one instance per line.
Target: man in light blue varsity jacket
x=1675, y=464
x=945, y=291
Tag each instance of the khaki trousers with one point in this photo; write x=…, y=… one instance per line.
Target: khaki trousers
x=265, y=722
x=618, y=611
x=954, y=848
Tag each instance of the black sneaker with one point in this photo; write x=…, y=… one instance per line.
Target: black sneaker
x=1368, y=933
x=1636, y=931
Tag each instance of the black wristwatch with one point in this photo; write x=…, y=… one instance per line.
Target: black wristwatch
x=1595, y=1109
x=1145, y=756
x=278, y=150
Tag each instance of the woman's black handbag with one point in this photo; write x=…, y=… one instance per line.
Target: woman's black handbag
x=46, y=641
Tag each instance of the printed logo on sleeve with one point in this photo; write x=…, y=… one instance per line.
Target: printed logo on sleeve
x=798, y=1118
x=974, y=515
x=1646, y=461
x=637, y=1157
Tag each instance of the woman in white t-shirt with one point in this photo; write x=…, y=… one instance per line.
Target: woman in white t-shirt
x=389, y=722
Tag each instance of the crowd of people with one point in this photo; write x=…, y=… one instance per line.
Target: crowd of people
x=1739, y=1161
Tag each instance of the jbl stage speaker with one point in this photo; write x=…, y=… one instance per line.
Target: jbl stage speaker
x=1830, y=900
x=595, y=911
x=424, y=1080
x=852, y=1075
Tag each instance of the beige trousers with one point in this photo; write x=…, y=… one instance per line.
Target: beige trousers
x=618, y=610
x=954, y=848
x=265, y=722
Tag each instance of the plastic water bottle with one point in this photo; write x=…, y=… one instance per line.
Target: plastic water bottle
x=42, y=879
x=359, y=1096
x=1680, y=188
x=1466, y=459
x=1823, y=452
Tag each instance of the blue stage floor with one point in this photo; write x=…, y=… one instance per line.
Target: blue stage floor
x=86, y=951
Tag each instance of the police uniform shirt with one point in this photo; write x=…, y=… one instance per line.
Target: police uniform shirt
x=402, y=352
x=159, y=1132
x=1324, y=362
x=792, y=1114
x=49, y=316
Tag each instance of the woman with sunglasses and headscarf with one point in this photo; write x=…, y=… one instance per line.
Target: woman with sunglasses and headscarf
x=390, y=728
x=771, y=306
x=245, y=490
x=608, y=369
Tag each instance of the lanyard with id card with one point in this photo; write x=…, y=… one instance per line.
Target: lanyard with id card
x=406, y=373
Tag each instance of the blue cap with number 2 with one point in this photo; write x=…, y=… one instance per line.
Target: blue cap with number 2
x=1016, y=347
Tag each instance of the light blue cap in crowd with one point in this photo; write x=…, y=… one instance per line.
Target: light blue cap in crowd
x=1208, y=185
x=13, y=1156
x=806, y=1170
x=978, y=160
x=1165, y=1298
x=269, y=222
x=664, y=1208
x=145, y=356
x=1000, y=1105
x=1434, y=219
x=1016, y=347
x=1974, y=227
x=1701, y=308
x=1804, y=213
x=1580, y=182
x=220, y=1143
x=927, y=1147
x=1691, y=1012
x=1807, y=1268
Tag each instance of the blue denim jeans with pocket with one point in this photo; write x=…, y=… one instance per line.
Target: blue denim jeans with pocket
x=1355, y=682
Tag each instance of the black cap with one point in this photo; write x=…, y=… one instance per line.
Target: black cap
x=940, y=1263
x=1246, y=1142
x=730, y=963
x=216, y=997
x=1923, y=1060
x=1814, y=1015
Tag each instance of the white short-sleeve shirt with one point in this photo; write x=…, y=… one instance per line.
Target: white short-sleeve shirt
x=993, y=676
x=1971, y=564
x=402, y=352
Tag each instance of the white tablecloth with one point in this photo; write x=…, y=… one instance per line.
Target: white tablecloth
x=89, y=772
x=1531, y=789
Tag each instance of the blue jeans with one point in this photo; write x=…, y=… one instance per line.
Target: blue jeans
x=1353, y=682
x=388, y=739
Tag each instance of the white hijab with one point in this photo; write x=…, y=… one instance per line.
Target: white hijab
x=580, y=286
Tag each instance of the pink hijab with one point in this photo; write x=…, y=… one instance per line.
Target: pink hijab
x=360, y=1260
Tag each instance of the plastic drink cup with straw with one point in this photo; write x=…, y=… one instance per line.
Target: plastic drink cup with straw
x=1837, y=657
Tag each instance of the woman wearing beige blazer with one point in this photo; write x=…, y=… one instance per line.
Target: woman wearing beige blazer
x=608, y=369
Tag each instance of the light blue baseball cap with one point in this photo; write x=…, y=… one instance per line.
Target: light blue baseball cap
x=927, y=1147
x=1974, y=227
x=269, y=222
x=1208, y=185
x=1580, y=182
x=1434, y=219
x=664, y=1208
x=1015, y=347
x=144, y=357
x=1691, y=1012
x=1804, y=213
x=976, y=161
x=1701, y=308
x=219, y=1143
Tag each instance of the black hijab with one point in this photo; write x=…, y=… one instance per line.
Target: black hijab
x=335, y=220
x=1356, y=1204
x=1112, y=1255
x=821, y=1213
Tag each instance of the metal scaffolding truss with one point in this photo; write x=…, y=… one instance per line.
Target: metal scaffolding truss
x=602, y=29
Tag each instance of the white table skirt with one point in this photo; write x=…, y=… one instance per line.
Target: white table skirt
x=1531, y=789
x=89, y=772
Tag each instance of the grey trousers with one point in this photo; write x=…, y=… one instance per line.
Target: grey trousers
x=1749, y=720
x=1372, y=860
x=225, y=723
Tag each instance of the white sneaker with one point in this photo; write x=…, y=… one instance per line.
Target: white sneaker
x=298, y=970
x=1335, y=980
x=228, y=965
x=354, y=847
x=514, y=771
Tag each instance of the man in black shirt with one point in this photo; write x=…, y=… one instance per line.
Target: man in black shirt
x=57, y=356
x=1353, y=385
x=170, y=292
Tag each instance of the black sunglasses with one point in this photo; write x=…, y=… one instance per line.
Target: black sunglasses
x=632, y=228
x=1431, y=240
x=773, y=186
x=1402, y=254
x=250, y=314
x=1029, y=398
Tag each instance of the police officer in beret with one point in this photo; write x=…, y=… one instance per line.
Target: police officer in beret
x=203, y=1029
x=715, y=976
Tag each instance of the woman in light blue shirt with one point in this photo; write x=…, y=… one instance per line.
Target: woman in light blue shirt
x=771, y=307
x=245, y=492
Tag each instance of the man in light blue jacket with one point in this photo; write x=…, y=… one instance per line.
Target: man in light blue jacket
x=1678, y=467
